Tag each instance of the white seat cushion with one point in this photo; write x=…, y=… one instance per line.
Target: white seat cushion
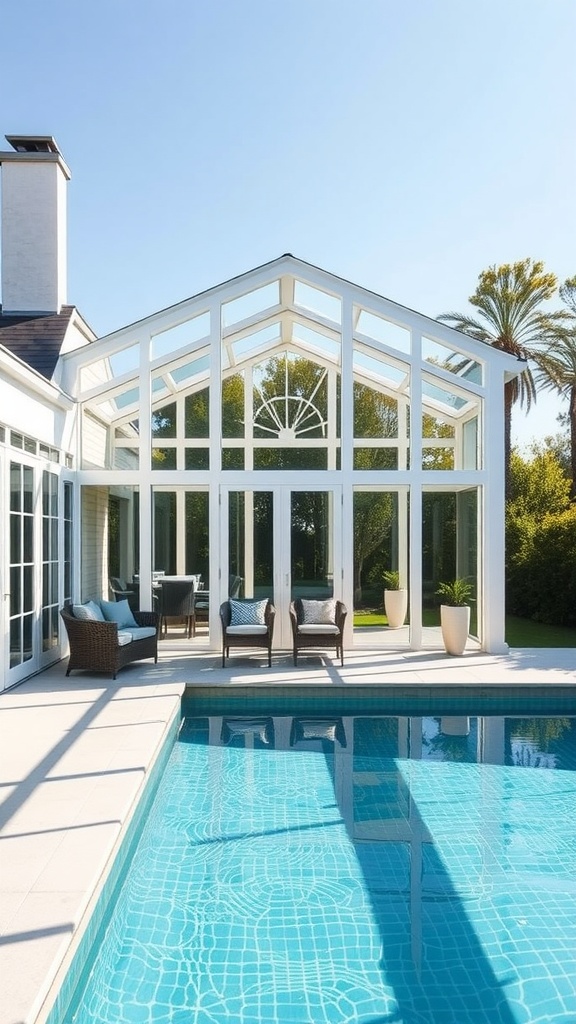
x=142, y=632
x=124, y=637
x=318, y=627
x=246, y=630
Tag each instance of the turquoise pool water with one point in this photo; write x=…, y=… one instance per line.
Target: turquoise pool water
x=350, y=869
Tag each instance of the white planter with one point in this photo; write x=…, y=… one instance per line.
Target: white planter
x=396, y=606
x=455, y=623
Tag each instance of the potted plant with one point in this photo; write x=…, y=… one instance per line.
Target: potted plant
x=395, y=599
x=455, y=614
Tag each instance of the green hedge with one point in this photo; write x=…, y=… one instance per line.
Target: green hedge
x=541, y=567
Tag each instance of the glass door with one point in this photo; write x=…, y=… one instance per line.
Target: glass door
x=284, y=543
x=21, y=587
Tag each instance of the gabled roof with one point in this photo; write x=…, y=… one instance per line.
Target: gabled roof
x=36, y=339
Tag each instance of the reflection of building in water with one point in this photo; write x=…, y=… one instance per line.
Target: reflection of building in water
x=387, y=783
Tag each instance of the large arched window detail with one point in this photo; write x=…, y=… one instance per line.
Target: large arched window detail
x=282, y=413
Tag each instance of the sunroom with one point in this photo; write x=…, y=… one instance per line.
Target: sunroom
x=290, y=434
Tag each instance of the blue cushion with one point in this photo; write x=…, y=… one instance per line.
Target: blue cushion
x=89, y=611
x=120, y=612
x=248, y=613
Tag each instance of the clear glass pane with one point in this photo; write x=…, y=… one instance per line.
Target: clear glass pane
x=15, y=538
x=452, y=360
x=15, y=487
x=197, y=414
x=248, y=305
x=28, y=574
x=28, y=504
x=181, y=336
x=386, y=331
x=375, y=458
x=15, y=590
x=311, y=539
x=196, y=458
x=233, y=406
x=15, y=642
x=375, y=551
x=197, y=534
x=165, y=527
x=27, y=624
x=318, y=301
x=375, y=414
x=163, y=458
x=164, y=421
x=449, y=547
x=28, y=551
x=250, y=543
x=291, y=458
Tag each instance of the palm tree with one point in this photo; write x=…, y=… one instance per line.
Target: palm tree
x=508, y=300
x=557, y=367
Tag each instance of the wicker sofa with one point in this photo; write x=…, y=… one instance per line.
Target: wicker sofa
x=96, y=646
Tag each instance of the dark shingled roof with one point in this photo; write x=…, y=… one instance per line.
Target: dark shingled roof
x=36, y=340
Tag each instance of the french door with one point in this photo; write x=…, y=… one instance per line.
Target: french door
x=284, y=542
x=32, y=588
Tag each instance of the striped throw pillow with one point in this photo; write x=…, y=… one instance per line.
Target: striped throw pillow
x=247, y=613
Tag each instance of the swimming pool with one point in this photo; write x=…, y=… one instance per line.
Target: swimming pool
x=343, y=867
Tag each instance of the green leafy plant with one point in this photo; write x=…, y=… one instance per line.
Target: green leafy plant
x=456, y=593
x=392, y=579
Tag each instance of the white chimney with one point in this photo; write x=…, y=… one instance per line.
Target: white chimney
x=33, y=244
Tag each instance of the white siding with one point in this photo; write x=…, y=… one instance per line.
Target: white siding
x=94, y=543
x=94, y=443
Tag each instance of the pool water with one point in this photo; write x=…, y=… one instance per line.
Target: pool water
x=350, y=870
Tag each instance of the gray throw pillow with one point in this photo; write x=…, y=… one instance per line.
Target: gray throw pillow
x=319, y=613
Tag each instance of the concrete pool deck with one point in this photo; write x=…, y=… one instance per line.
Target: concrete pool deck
x=75, y=753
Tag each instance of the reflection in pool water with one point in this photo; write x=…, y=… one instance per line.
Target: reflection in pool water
x=350, y=869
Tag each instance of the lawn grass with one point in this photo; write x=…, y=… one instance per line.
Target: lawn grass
x=519, y=632
x=526, y=633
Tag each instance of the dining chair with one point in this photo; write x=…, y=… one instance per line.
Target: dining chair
x=177, y=602
x=121, y=591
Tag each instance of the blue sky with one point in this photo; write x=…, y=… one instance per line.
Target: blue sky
x=405, y=146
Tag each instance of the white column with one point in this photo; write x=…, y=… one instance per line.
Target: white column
x=491, y=530
x=216, y=584
x=146, y=518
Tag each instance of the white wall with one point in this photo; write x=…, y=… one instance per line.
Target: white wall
x=24, y=410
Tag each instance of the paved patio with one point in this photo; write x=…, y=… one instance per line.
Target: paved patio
x=75, y=753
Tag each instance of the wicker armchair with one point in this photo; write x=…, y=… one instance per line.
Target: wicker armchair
x=305, y=635
x=94, y=645
x=247, y=636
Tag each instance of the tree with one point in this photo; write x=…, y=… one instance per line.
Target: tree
x=557, y=367
x=508, y=299
x=540, y=540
